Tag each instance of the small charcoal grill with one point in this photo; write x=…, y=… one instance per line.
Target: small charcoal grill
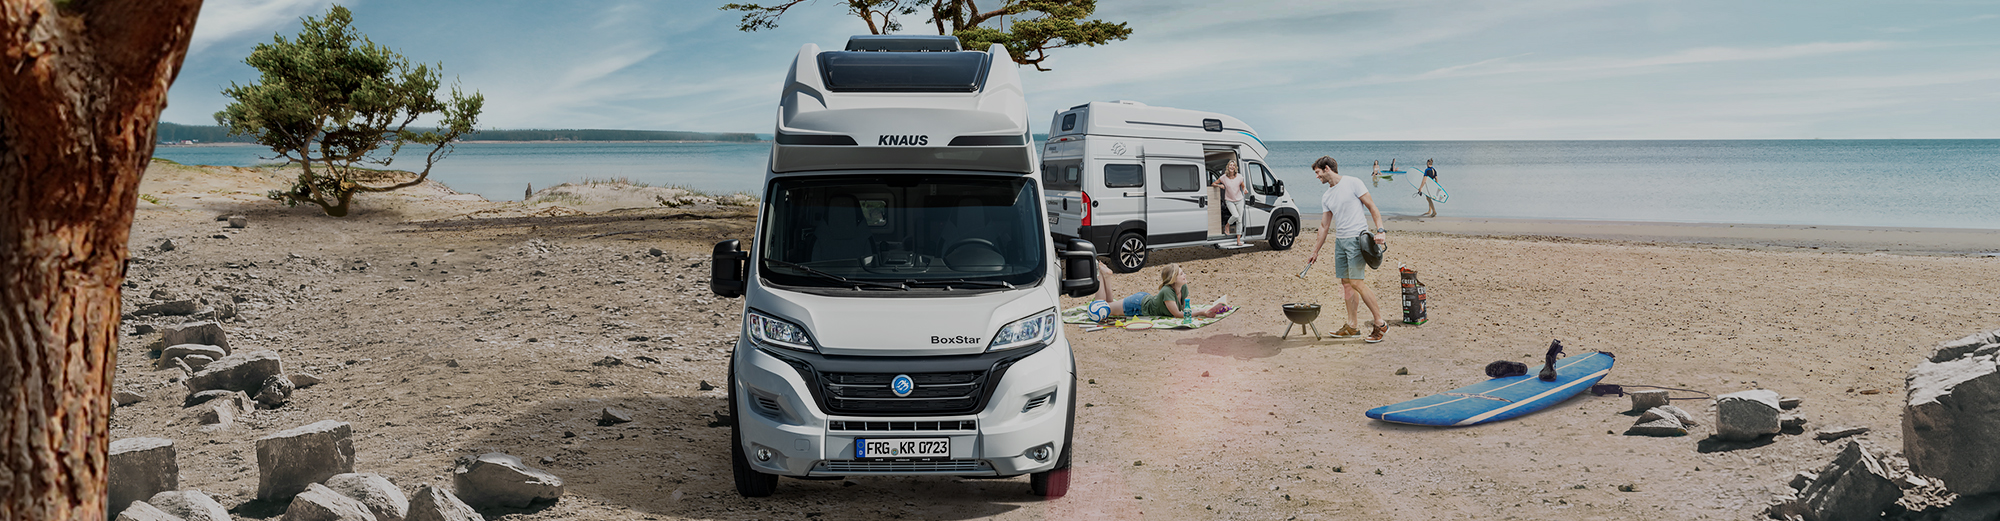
x=1302, y=315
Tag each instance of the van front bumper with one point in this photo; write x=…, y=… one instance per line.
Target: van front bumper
x=780, y=414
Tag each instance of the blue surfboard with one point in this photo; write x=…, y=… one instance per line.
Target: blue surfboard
x=1500, y=398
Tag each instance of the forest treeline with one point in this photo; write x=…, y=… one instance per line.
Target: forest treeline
x=175, y=133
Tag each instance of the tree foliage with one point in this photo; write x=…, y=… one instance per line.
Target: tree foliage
x=1037, y=27
x=331, y=100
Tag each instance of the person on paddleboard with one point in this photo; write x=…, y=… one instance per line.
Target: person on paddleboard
x=1430, y=176
x=1348, y=206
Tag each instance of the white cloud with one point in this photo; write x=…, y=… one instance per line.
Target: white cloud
x=225, y=20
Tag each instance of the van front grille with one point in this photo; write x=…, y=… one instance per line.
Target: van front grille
x=934, y=393
x=953, y=425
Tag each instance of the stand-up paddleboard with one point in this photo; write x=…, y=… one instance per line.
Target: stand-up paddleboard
x=1433, y=190
x=1500, y=398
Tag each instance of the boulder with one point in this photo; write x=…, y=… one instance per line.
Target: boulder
x=1643, y=400
x=499, y=480
x=124, y=398
x=1659, y=426
x=196, y=363
x=613, y=416
x=304, y=380
x=435, y=504
x=220, y=414
x=162, y=294
x=238, y=221
x=204, y=396
x=318, y=503
x=167, y=245
x=140, y=511
x=140, y=468
x=1973, y=508
x=1746, y=415
x=1950, y=421
x=190, y=505
x=1835, y=433
x=172, y=352
x=277, y=389
x=1668, y=411
x=292, y=459
x=1855, y=486
x=382, y=497
x=170, y=308
x=237, y=372
x=204, y=333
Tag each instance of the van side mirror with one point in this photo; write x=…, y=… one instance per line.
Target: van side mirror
x=1278, y=187
x=727, y=269
x=1079, y=269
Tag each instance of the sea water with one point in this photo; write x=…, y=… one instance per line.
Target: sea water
x=1875, y=183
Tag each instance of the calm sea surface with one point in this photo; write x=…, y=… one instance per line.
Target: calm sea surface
x=1914, y=183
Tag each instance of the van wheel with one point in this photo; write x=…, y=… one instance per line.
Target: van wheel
x=1129, y=253
x=1054, y=483
x=1284, y=233
x=749, y=482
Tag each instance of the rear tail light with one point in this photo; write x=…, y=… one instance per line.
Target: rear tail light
x=1086, y=208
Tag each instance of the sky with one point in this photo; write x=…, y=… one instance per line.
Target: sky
x=1293, y=70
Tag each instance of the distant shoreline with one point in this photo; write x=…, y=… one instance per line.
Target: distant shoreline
x=1771, y=237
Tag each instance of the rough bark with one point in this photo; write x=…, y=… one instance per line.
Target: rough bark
x=81, y=88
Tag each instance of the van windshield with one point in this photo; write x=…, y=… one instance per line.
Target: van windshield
x=887, y=232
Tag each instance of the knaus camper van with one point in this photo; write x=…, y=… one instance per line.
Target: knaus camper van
x=900, y=295
x=1129, y=178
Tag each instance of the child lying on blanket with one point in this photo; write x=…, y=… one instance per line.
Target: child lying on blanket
x=1171, y=301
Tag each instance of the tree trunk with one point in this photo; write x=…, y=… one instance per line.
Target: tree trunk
x=81, y=88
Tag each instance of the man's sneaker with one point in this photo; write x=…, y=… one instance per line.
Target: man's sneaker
x=1380, y=330
x=1347, y=331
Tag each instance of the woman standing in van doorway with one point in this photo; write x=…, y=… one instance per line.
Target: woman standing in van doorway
x=1348, y=206
x=1232, y=198
x=1170, y=301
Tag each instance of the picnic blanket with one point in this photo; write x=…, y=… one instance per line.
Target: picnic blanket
x=1079, y=315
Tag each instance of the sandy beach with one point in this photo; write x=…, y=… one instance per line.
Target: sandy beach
x=447, y=326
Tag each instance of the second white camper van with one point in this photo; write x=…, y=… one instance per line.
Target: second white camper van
x=1130, y=178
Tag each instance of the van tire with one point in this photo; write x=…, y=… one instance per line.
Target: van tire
x=1128, y=253
x=1054, y=483
x=749, y=482
x=1284, y=233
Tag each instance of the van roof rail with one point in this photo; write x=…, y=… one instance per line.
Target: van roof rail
x=903, y=43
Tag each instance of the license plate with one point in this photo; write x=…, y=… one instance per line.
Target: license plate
x=865, y=448
x=1054, y=217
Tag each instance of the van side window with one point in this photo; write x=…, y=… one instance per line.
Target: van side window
x=1123, y=176
x=1260, y=180
x=1180, y=178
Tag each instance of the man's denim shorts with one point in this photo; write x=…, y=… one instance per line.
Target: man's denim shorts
x=1347, y=263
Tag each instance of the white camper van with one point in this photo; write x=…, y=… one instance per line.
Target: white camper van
x=1129, y=178
x=901, y=292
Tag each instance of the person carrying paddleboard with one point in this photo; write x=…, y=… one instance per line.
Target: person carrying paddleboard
x=1430, y=176
x=1348, y=210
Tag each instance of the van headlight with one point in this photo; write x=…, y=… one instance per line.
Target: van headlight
x=769, y=330
x=1036, y=329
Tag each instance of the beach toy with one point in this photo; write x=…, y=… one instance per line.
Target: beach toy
x=1098, y=310
x=1138, y=325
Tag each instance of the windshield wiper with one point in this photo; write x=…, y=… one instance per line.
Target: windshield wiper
x=829, y=276
x=949, y=283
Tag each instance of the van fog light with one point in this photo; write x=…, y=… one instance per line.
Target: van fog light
x=763, y=455
x=1041, y=453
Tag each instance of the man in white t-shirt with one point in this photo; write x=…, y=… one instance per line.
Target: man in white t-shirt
x=1345, y=201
